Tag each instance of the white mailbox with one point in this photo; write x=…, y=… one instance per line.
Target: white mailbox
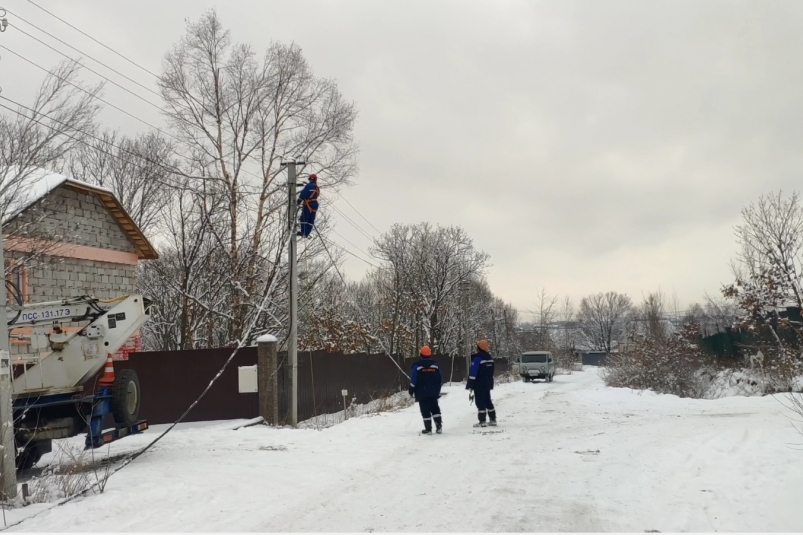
x=247, y=376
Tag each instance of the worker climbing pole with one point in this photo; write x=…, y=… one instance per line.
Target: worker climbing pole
x=308, y=200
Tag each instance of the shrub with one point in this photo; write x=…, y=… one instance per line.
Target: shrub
x=667, y=364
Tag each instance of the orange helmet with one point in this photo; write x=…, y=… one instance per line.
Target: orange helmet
x=426, y=351
x=483, y=345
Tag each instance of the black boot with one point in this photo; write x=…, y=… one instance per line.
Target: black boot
x=438, y=424
x=427, y=427
x=481, y=416
x=492, y=418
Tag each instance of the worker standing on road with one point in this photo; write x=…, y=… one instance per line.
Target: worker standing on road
x=308, y=199
x=425, y=385
x=481, y=382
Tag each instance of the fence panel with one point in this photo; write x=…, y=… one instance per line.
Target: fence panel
x=172, y=380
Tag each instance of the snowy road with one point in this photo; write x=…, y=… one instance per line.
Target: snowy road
x=575, y=456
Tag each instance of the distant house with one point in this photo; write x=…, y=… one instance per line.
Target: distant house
x=63, y=238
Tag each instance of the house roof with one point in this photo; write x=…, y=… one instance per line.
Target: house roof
x=43, y=183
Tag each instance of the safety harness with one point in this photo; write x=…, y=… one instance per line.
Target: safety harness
x=313, y=198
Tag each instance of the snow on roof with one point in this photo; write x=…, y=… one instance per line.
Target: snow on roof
x=33, y=186
x=21, y=190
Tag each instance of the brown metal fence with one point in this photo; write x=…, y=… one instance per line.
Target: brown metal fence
x=172, y=380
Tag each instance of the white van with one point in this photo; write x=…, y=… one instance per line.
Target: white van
x=537, y=365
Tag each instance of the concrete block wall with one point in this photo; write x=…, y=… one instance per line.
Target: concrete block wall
x=56, y=278
x=72, y=217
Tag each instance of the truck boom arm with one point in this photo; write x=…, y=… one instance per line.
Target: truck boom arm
x=61, y=359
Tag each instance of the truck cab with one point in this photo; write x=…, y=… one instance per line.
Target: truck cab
x=537, y=365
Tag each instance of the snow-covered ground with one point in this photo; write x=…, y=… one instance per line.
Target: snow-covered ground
x=574, y=456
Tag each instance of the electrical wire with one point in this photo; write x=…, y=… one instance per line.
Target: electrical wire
x=352, y=223
x=140, y=97
x=352, y=254
x=359, y=310
x=146, y=88
x=89, y=36
x=359, y=213
x=100, y=99
x=78, y=140
x=156, y=106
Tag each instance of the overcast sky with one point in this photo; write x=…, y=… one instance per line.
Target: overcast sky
x=586, y=146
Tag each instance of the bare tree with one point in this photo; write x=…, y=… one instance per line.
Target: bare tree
x=38, y=136
x=395, y=249
x=771, y=238
x=34, y=139
x=601, y=318
x=566, y=335
x=652, y=317
x=137, y=170
x=238, y=116
x=423, y=268
x=446, y=256
x=545, y=315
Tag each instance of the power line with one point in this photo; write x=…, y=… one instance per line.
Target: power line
x=81, y=141
x=98, y=98
x=352, y=254
x=353, y=245
x=88, y=92
x=359, y=310
x=90, y=69
x=85, y=54
x=98, y=42
x=358, y=212
x=352, y=223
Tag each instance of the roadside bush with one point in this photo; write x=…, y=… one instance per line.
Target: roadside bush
x=668, y=364
x=70, y=472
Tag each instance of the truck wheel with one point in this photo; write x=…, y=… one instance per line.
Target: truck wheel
x=525, y=379
x=28, y=458
x=549, y=379
x=126, y=397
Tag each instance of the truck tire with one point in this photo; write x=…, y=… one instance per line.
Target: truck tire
x=126, y=397
x=28, y=457
x=549, y=379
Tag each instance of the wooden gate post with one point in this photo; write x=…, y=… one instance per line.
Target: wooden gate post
x=268, y=378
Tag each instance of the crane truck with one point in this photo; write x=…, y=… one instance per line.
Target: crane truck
x=68, y=343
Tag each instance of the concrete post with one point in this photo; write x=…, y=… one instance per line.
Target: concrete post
x=268, y=378
x=292, y=261
x=8, y=468
x=8, y=456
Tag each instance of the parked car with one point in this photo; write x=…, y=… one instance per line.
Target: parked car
x=537, y=365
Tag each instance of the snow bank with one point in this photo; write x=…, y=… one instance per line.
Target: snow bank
x=395, y=402
x=746, y=382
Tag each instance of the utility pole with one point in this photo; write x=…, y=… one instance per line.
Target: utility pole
x=8, y=468
x=292, y=338
x=464, y=343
